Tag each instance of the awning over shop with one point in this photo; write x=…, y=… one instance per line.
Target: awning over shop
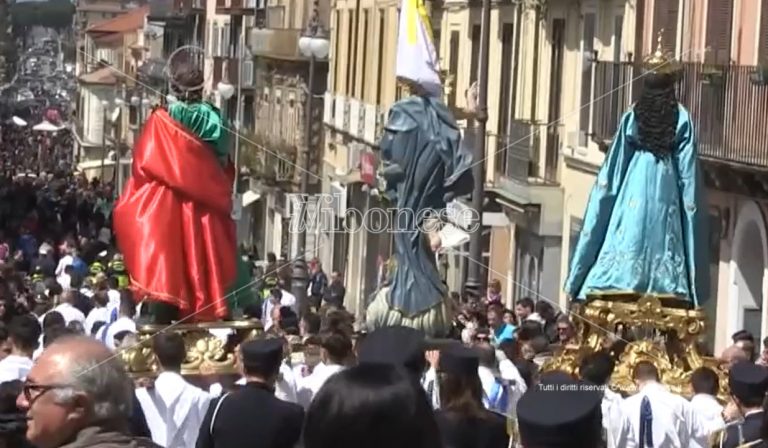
x=249, y=197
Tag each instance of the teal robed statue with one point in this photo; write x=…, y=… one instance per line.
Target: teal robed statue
x=645, y=229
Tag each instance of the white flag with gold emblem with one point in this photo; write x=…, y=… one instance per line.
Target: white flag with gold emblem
x=416, y=55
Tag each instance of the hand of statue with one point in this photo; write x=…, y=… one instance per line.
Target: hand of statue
x=471, y=97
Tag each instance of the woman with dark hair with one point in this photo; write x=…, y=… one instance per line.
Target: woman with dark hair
x=376, y=406
x=463, y=420
x=646, y=224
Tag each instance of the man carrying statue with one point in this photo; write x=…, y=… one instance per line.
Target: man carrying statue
x=173, y=220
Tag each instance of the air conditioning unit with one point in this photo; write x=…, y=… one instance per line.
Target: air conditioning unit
x=339, y=106
x=328, y=108
x=352, y=123
x=370, y=123
x=247, y=73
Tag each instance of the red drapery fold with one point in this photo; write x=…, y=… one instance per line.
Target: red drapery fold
x=173, y=222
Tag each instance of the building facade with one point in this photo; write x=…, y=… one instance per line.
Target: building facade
x=361, y=87
x=253, y=46
x=107, y=112
x=723, y=46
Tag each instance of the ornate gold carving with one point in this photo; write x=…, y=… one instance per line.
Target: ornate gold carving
x=659, y=329
x=660, y=61
x=206, y=352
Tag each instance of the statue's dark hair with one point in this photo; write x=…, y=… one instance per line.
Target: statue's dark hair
x=656, y=113
x=187, y=82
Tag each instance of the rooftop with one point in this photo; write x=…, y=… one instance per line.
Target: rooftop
x=129, y=21
x=102, y=76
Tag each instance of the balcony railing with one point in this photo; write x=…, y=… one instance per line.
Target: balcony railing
x=239, y=7
x=616, y=88
x=728, y=106
x=518, y=154
x=163, y=10
x=271, y=160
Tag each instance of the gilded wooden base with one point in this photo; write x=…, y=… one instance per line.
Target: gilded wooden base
x=210, y=350
x=660, y=329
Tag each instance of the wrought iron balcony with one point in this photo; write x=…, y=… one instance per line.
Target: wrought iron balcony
x=728, y=105
x=517, y=154
x=174, y=10
x=275, y=43
x=271, y=160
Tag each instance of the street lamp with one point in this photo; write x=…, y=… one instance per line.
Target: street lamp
x=474, y=282
x=225, y=89
x=314, y=45
x=104, y=106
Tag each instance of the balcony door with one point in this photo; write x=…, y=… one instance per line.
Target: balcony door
x=719, y=32
x=666, y=15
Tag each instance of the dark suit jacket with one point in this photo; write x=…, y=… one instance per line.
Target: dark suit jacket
x=252, y=417
x=750, y=431
x=463, y=432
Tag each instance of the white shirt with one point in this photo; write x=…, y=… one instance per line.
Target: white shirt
x=70, y=313
x=174, y=410
x=99, y=313
x=308, y=386
x=285, y=386
x=611, y=409
x=14, y=367
x=113, y=300
x=64, y=261
x=517, y=387
x=708, y=409
x=289, y=300
x=675, y=424
x=432, y=387
x=118, y=326
x=65, y=281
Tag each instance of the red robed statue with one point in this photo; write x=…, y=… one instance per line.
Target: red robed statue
x=173, y=221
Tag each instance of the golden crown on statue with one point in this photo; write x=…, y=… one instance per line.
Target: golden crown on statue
x=659, y=61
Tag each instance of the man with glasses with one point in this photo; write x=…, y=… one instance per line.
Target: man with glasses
x=79, y=394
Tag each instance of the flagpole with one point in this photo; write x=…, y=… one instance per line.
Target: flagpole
x=474, y=282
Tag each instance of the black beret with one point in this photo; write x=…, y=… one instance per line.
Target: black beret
x=748, y=380
x=560, y=412
x=400, y=346
x=459, y=360
x=262, y=353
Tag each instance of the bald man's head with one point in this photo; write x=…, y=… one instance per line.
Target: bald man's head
x=732, y=355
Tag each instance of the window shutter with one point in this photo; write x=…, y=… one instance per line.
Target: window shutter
x=215, y=40
x=665, y=16
x=763, y=43
x=719, y=24
x=226, y=41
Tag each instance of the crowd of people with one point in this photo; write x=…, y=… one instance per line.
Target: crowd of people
x=346, y=388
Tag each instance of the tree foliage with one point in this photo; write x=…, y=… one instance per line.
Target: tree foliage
x=57, y=14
